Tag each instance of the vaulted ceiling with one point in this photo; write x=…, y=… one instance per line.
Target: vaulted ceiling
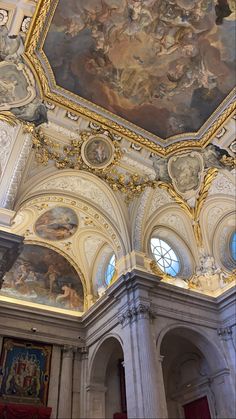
x=156, y=71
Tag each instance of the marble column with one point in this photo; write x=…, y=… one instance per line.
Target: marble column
x=147, y=358
x=65, y=394
x=96, y=401
x=132, y=377
x=161, y=389
x=224, y=394
x=141, y=370
x=83, y=384
x=225, y=384
x=227, y=339
x=76, y=386
x=54, y=382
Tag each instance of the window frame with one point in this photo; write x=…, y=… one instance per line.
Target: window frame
x=232, y=237
x=108, y=264
x=171, y=247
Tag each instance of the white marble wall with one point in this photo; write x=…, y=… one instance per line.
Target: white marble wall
x=15, y=148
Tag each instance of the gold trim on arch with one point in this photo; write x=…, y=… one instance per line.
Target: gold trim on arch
x=34, y=44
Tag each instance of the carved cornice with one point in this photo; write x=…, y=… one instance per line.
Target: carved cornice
x=136, y=312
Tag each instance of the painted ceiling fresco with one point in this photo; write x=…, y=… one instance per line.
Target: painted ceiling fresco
x=59, y=223
x=41, y=275
x=164, y=65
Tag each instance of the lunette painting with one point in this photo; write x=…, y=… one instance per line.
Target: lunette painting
x=24, y=371
x=58, y=223
x=164, y=65
x=43, y=276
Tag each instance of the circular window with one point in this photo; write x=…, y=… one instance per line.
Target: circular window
x=111, y=267
x=165, y=256
x=233, y=246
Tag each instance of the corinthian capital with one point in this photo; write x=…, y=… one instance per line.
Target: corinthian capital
x=136, y=312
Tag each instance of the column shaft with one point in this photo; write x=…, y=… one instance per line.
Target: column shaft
x=148, y=368
x=76, y=386
x=65, y=397
x=144, y=381
x=54, y=381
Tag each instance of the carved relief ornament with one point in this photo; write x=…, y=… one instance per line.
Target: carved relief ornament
x=17, y=86
x=186, y=172
x=140, y=311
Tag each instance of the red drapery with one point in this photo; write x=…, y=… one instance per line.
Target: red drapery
x=198, y=409
x=22, y=411
x=120, y=416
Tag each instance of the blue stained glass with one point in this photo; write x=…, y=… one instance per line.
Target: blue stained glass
x=165, y=256
x=233, y=245
x=110, y=269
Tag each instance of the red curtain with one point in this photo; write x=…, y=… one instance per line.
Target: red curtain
x=120, y=416
x=21, y=411
x=198, y=409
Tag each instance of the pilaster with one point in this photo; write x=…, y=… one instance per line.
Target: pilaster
x=137, y=335
x=54, y=380
x=96, y=401
x=65, y=394
x=76, y=385
x=83, y=383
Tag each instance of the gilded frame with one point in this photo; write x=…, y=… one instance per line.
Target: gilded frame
x=34, y=56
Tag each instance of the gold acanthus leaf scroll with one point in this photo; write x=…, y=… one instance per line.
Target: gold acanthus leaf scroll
x=230, y=277
x=193, y=213
x=228, y=161
x=69, y=157
x=8, y=118
x=202, y=196
x=157, y=271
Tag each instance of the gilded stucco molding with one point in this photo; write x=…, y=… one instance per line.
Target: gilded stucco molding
x=71, y=157
x=206, y=279
x=193, y=213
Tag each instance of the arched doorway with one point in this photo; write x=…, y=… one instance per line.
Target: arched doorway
x=107, y=397
x=196, y=378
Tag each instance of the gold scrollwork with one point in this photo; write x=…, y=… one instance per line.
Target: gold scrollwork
x=231, y=277
x=69, y=156
x=229, y=161
x=157, y=271
x=8, y=118
x=193, y=213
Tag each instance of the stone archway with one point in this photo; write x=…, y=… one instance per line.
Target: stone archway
x=193, y=368
x=104, y=391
